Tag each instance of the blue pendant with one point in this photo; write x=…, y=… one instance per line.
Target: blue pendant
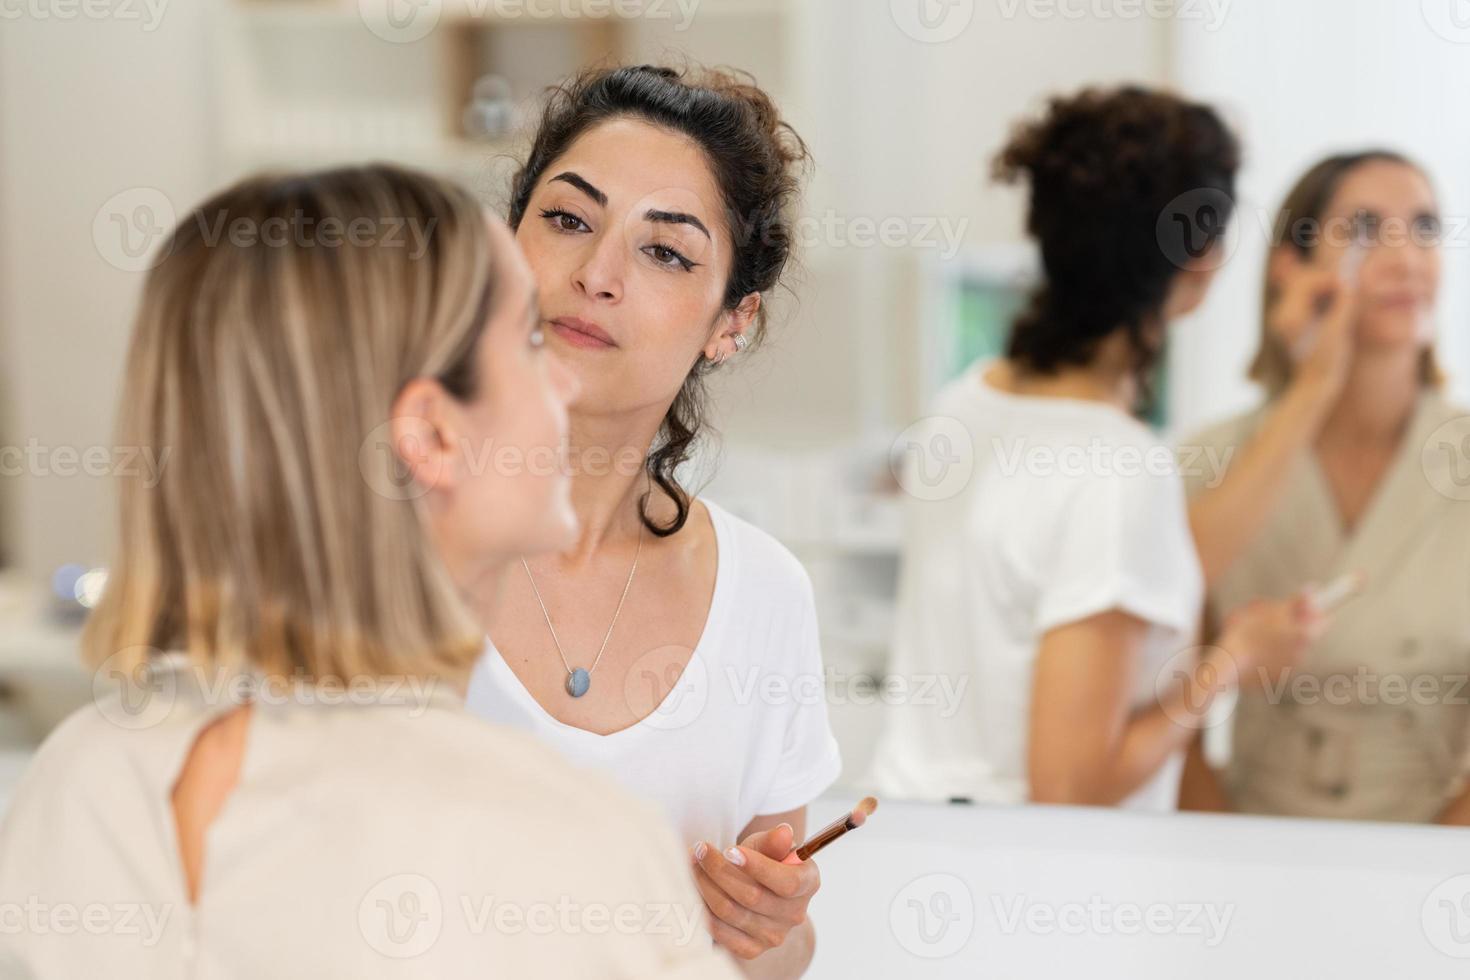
x=578, y=681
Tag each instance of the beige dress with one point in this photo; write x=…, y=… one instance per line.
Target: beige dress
x=1376, y=724
x=397, y=838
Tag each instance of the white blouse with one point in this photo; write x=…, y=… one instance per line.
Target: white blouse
x=743, y=732
x=1073, y=508
x=400, y=837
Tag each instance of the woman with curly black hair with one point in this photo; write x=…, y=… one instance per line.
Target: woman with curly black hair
x=1062, y=580
x=674, y=646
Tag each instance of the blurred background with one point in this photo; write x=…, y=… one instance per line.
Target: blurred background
x=115, y=115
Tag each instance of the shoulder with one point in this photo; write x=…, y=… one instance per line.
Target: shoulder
x=1223, y=433
x=753, y=555
x=1205, y=454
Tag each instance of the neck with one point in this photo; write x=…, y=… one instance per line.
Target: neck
x=478, y=580
x=1108, y=378
x=609, y=479
x=1378, y=398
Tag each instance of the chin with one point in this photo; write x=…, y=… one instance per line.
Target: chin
x=1390, y=330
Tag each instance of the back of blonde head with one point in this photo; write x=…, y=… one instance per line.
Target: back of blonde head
x=270, y=344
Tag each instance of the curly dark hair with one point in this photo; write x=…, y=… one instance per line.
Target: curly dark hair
x=1105, y=169
x=757, y=160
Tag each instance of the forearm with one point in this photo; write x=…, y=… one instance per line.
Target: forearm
x=787, y=961
x=1457, y=814
x=1146, y=742
x=1226, y=518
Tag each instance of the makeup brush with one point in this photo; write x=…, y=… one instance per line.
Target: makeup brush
x=838, y=827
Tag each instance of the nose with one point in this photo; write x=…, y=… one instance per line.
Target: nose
x=600, y=276
x=1393, y=261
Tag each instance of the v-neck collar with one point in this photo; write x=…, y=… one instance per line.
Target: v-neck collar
x=695, y=670
x=1400, y=508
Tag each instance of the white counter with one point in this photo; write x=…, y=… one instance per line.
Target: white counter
x=1007, y=893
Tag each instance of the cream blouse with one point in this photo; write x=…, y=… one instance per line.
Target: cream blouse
x=1377, y=723
x=368, y=836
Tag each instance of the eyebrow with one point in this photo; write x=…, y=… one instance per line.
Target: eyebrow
x=676, y=218
x=662, y=217
x=584, y=185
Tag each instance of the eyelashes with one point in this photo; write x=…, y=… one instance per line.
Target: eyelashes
x=557, y=216
x=664, y=256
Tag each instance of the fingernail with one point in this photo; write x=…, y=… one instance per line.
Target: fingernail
x=735, y=856
x=700, y=850
x=787, y=826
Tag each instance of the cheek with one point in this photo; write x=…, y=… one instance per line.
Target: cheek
x=538, y=250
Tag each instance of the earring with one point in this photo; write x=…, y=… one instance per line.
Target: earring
x=741, y=343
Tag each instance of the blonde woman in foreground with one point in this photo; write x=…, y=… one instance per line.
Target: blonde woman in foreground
x=288, y=785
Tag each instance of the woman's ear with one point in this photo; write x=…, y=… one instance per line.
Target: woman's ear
x=422, y=435
x=731, y=324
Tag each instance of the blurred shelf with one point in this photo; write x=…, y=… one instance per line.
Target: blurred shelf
x=511, y=13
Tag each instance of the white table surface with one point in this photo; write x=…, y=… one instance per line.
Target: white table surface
x=1054, y=892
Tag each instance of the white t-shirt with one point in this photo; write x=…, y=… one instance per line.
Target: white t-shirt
x=356, y=843
x=1073, y=508
x=744, y=730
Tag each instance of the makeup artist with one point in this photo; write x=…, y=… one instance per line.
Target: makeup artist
x=1067, y=591
x=674, y=646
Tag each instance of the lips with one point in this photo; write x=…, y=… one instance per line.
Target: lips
x=582, y=333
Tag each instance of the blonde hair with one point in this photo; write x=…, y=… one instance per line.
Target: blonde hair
x=1300, y=215
x=272, y=339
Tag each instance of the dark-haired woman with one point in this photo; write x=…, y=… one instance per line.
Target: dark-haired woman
x=1355, y=463
x=1061, y=580
x=674, y=646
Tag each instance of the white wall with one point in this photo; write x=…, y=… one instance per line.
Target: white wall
x=899, y=127
x=904, y=127
x=88, y=108
x=1303, y=79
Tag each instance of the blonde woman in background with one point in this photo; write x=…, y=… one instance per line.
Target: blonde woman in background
x=302, y=794
x=1349, y=466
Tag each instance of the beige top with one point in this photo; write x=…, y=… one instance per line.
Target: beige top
x=1376, y=724
x=396, y=836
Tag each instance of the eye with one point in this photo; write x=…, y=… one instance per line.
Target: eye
x=1427, y=229
x=668, y=258
x=564, y=221
x=1365, y=228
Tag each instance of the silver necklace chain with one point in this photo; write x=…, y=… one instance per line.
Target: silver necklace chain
x=617, y=612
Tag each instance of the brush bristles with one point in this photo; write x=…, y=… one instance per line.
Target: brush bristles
x=863, y=810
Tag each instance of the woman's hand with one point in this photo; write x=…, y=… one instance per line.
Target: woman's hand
x=1268, y=638
x=757, y=898
x=1313, y=315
